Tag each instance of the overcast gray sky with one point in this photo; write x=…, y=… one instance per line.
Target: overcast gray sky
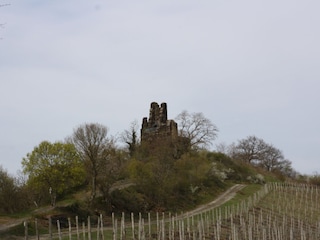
x=250, y=66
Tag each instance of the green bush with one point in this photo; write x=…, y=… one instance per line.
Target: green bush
x=128, y=200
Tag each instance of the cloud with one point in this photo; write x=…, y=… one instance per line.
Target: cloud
x=250, y=66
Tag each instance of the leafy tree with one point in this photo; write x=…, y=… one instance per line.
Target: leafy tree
x=193, y=168
x=14, y=194
x=196, y=127
x=154, y=180
x=8, y=193
x=152, y=170
x=92, y=143
x=111, y=171
x=54, y=168
x=168, y=183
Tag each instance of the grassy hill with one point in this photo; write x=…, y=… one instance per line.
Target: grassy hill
x=271, y=211
x=127, y=196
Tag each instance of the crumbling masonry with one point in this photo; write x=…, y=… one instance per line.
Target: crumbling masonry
x=158, y=127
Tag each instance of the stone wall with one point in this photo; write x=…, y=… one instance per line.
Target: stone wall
x=158, y=127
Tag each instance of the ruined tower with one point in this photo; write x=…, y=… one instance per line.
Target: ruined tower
x=158, y=127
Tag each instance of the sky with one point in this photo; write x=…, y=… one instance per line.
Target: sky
x=252, y=67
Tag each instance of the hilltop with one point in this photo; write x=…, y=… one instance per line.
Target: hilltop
x=168, y=169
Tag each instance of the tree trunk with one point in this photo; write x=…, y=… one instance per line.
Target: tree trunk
x=94, y=187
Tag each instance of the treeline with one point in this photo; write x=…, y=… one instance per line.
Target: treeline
x=257, y=152
x=137, y=177
x=12, y=193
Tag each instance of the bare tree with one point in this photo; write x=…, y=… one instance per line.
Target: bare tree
x=256, y=151
x=250, y=149
x=271, y=158
x=3, y=5
x=93, y=144
x=196, y=127
x=130, y=137
x=285, y=167
x=225, y=148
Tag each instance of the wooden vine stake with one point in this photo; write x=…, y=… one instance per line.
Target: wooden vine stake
x=83, y=230
x=89, y=228
x=77, y=228
x=101, y=227
x=50, y=228
x=36, y=227
x=70, y=229
x=59, y=230
x=25, y=224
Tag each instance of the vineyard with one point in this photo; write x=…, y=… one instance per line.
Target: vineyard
x=277, y=211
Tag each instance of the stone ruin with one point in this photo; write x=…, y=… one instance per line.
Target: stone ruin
x=158, y=127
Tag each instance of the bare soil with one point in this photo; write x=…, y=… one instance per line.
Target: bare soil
x=221, y=199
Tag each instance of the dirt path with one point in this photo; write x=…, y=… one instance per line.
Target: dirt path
x=6, y=223
x=221, y=199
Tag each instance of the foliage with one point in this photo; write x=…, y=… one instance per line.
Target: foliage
x=153, y=180
x=7, y=192
x=258, y=179
x=110, y=171
x=169, y=183
x=193, y=168
x=127, y=200
x=234, y=170
x=161, y=176
x=175, y=184
x=314, y=179
x=13, y=197
x=53, y=168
